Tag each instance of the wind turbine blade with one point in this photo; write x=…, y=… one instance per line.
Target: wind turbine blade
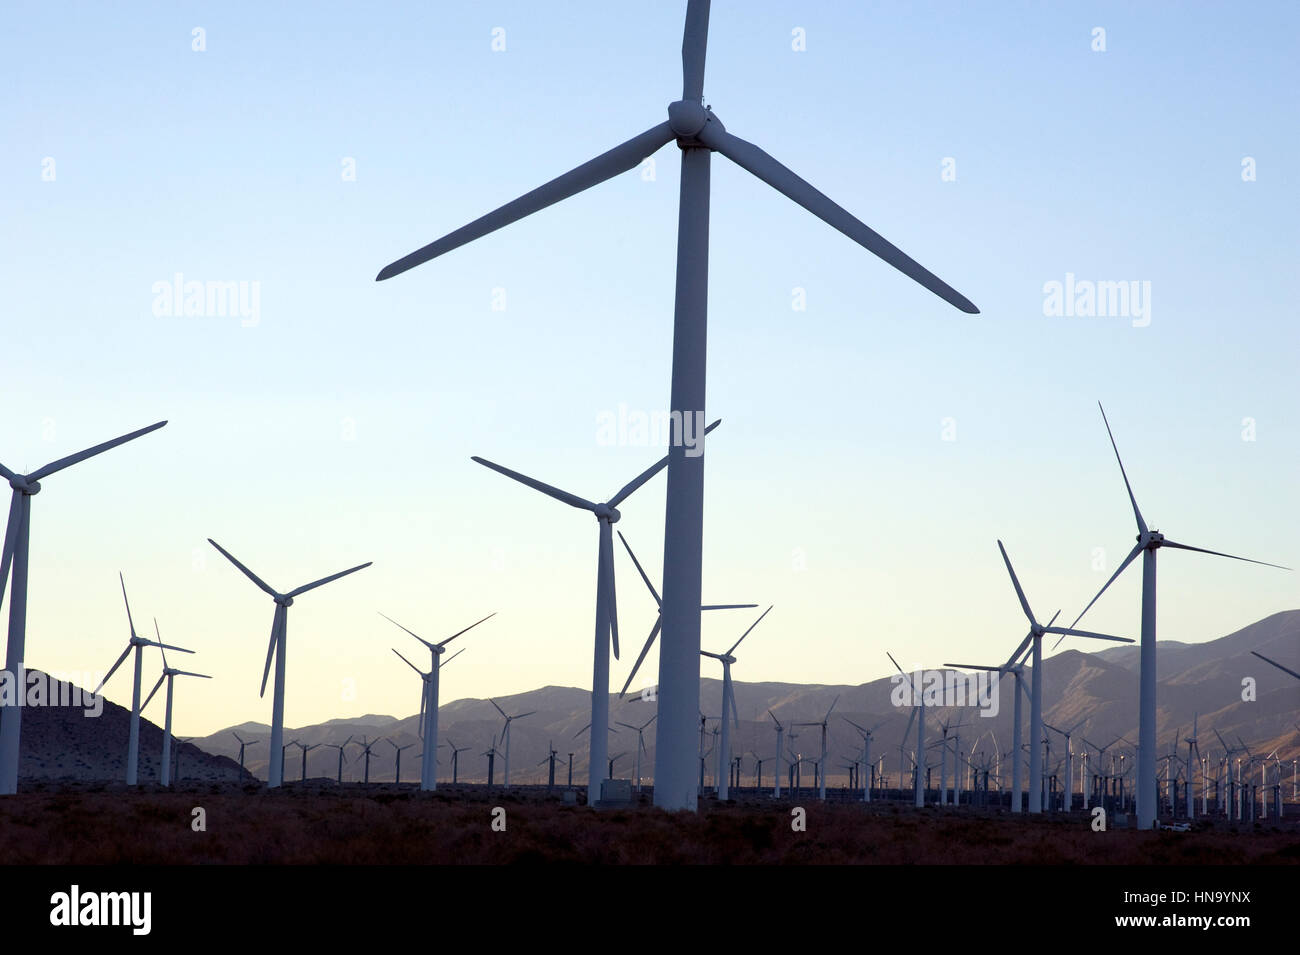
x=900, y=670
x=695, y=42
x=1024, y=604
x=325, y=580
x=754, y=160
x=654, y=593
x=751, y=627
x=190, y=673
x=1068, y=632
x=1132, y=555
x=571, y=499
x=270, y=649
x=499, y=710
x=851, y=723
x=828, y=712
x=112, y=670
x=520, y=716
x=7, y=474
x=714, y=656
x=247, y=573
x=728, y=606
x=731, y=701
x=1142, y=525
x=400, y=627
x=774, y=719
x=1217, y=553
x=450, y=658
x=72, y=459
x=152, y=692
x=611, y=600
x=971, y=666
x=1276, y=664
x=647, y=474
x=466, y=630
x=605, y=166
x=654, y=632
x=129, y=621
x=167, y=646
x=910, y=720
x=424, y=700
x=11, y=538
x=407, y=662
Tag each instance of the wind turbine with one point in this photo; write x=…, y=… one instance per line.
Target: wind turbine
x=698, y=133
x=455, y=759
x=342, y=759
x=137, y=644
x=491, y=754
x=366, y=747
x=659, y=616
x=397, y=773
x=1069, y=761
x=821, y=763
x=242, y=743
x=1035, y=637
x=607, y=514
x=429, y=698
x=866, y=754
x=278, y=648
x=918, y=761
x=729, y=703
x=305, y=750
x=944, y=727
x=505, y=737
x=550, y=758
x=1018, y=671
x=1148, y=542
x=780, y=732
x=168, y=674
x=15, y=555
x=640, y=744
x=1193, y=759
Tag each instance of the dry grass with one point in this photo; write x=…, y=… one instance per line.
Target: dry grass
x=390, y=825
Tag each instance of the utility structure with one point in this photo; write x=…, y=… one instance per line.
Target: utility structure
x=455, y=759
x=698, y=132
x=640, y=744
x=278, y=649
x=397, y=752
x=168, y=674
x=1149, y=541
x=729, y=705
x=366, y=747
x=776, y=773
x=1034, y=641
x=136, y=645
x=607, y=515
x=342, y=759
x=429, y=697
x=505, y=739
x=243, y=744
x=550, y=758
x=305, y=750
x=820, y=762
x=15, y=559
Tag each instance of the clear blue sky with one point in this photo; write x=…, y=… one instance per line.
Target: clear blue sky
x=226, y=165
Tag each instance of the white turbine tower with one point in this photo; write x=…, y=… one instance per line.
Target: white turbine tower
x=429, y=699
x=1148, y=542
x=505, y=739
x=1018, y=671
x=137, y=644
x=866, y=735
x=607, y=515
x=168, y=674
x=698, y=133
x=821, y=762
x=1069, y=761
x=1035, y=638
x=918, y=760
x=780, y=733
x=729, y=704
x=640, y=744
x=278, y=648
x=15, y=556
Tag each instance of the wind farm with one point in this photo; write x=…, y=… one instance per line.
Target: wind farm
x=889, y=445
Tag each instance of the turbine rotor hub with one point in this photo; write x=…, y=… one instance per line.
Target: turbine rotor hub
x=283, y=601
x=606, y=513
x=686, y=118
x=21, y=483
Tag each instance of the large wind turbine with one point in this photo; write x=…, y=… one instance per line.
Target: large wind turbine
x=1148, y=542
x=729, y=704
x=607, y=515
x=136, y=643
x=698, y=133
x=429, y=699
x=15, y=555
x=505, y=740
x=278, y=648
x=1035, y=637
x=168, y=674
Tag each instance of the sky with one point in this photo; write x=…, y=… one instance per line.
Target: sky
x=875, y=444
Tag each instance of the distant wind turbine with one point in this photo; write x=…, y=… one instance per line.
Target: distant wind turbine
x=278, y=648
x=242, y=744
x=505, y=739
x=168, y=674
x=729, y=703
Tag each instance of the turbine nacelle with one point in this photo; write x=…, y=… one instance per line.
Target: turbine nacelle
x=284, y=601
x=20, y=482
x=604, y=512
x=686, y=119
